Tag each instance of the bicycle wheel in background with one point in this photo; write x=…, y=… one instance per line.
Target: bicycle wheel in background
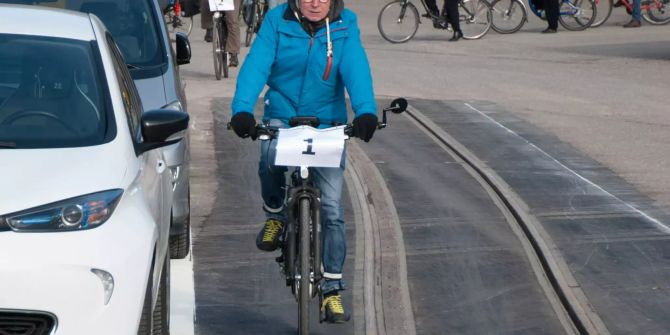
x=223, y=35
x=508, y=16
x=251, y=18
x=217, y=50
x=577, y=14
x=658, y=12
x=398, y=21
x=475, y=18
x=304, y=295
x=603, y=11
x=186, y=25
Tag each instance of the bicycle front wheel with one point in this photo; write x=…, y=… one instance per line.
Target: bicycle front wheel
x=577, y=14
x=475, y=18
x=398, y=21
x=217, y=49
x=604, y=10
x=304, y=295
x=508, y=16
x=658, y=12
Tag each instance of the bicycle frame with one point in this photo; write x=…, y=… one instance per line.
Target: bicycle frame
x=538, y=12
x=644, y=6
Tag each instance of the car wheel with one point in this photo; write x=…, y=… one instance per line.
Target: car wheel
x=145, y=318
x=180, y=244
x=157, y=322
x=161, y=314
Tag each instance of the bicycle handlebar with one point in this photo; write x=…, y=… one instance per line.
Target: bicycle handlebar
x=265, y=132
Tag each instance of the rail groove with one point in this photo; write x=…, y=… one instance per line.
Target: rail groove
x=564, y=293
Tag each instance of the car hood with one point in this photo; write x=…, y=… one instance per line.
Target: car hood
x=152, y=92
x=34, y=177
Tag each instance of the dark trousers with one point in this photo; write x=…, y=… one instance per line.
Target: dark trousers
x=450, y=10
x=432, y=7
x=551, y=8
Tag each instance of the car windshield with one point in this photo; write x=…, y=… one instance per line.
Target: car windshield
x=50, y=93
x=131, y=22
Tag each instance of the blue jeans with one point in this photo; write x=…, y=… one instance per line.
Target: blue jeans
x=636, y=10
x=330, y=182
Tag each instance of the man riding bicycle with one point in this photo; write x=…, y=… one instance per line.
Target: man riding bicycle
x=307, y=52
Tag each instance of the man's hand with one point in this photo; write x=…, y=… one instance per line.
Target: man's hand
x=365, y=126
x=244, y=125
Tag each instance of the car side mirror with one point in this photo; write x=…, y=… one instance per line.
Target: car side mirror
x=183, y=49
x=162, y=127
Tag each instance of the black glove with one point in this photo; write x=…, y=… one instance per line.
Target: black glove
x=244, y=125
x=365, y=126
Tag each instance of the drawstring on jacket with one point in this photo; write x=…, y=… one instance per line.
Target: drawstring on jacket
x=329, y=52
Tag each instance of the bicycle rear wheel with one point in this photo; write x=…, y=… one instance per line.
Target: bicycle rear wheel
x=475, y=18
x=251, y=23
x=508, y=16
x=577, y=14
x=398, y=21
x=304, y=295
x=604, y=10
x=217, y=49
x=658, y=12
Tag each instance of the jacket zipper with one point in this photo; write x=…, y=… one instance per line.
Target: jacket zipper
x=304, y=75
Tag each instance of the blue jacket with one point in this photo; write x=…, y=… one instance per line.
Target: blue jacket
x=292, y=63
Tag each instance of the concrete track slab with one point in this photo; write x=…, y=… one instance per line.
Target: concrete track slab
x=467, y=271
x=615, y=249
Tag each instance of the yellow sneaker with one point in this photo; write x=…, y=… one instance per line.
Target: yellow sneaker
x=332, y=307
x=268, y=238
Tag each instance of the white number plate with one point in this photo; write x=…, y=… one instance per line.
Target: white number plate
x=221, y=5
x=310, y=147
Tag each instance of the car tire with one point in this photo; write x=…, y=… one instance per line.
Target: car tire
x=180, y=244
x=157, y=322
x=146, y=317
x=161, y=313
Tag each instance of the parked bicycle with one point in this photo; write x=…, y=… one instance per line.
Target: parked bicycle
x=252, y=13
x=399, y=20
x=510, y=15
x=175, y=19
x=301, y=242
x=219, y=38
x=655, y=12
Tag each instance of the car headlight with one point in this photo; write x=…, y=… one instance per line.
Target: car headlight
x=84, y=212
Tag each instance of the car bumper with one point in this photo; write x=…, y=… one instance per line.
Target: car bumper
x=51, y=272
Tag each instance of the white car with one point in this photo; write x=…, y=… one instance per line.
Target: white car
x=85, y=194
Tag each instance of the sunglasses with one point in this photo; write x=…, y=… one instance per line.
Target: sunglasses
x=310, y=1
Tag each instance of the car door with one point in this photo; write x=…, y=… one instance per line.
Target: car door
x=153, y=174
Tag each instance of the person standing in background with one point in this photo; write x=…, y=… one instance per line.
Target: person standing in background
x=450, y=10
x=636, y=20
x=232, y=23
x=551, y=9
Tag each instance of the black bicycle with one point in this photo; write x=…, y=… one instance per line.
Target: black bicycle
x=300, y=242
x=219, y=39
x=253, y=14
x=399, y=20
